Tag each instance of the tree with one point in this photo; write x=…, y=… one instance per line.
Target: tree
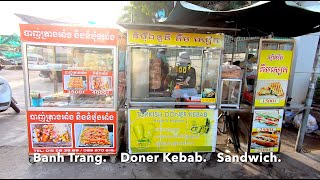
x=144, y=11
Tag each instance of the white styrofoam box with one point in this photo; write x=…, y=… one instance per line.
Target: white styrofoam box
x=302, y=67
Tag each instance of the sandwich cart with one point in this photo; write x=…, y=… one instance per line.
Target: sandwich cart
x=172, y=89
x=267, y=70
x=76, y=109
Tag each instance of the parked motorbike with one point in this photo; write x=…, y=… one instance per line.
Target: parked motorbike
x=46, y=74
x=6, y=99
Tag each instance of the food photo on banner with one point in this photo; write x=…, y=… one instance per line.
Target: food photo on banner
x=94, y=135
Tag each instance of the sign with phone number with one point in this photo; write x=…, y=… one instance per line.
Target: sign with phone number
x=82, y=150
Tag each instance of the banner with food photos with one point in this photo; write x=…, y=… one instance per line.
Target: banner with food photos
x=79, y=132
x=273, y=75
x=266, y=129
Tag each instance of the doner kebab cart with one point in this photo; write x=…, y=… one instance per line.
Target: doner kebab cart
x=172, y=89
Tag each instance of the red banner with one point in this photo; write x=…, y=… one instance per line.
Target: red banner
x=87, y=82
x=68, y=34
x=85, y=132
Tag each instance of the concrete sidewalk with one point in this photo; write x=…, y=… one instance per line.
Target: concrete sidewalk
x=14, y=156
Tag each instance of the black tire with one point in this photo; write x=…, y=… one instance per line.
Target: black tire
x=15, y=107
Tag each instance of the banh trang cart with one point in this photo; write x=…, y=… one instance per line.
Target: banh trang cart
x=75, y=108
x=267, y=69
x=172, y=89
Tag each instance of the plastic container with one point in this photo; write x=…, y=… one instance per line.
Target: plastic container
x=36, y=102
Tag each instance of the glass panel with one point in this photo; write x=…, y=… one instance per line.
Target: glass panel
x=286, y=46
x=140, y=73
x=270, y=46
x=230, y=92
x=210, y=70
x=159, y=74
x=122, y=75
x=251, y=66
x=70, y=76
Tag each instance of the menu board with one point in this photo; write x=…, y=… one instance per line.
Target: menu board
x=80, y=132
x=266, y=129
x=273, y=76
x=87, y=82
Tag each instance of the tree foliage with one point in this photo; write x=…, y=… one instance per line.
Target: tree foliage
x=144, y=11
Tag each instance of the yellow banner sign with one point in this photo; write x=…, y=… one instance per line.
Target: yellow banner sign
x=273, y=75
x=143, y=37
x=275, y=64
x=172, y=130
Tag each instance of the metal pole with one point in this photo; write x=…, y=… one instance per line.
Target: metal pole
x=303, y=127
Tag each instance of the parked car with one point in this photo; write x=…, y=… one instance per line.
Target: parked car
x=35, y=59
x=16, y=61
x=5, y=61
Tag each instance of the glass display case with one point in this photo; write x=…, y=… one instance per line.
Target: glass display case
x=160, y=75
x=70, y=76
x=250, y=70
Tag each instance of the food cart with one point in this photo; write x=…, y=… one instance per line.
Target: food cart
x=267, y=70
x=76, y=109
x=172, y=89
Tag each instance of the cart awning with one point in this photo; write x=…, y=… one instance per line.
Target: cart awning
x=281, y=18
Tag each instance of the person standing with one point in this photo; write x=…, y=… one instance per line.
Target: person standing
x=161, y=54
x=186, y=74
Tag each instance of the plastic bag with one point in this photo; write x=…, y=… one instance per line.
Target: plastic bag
x=311, y=124
x=184, y=93
x=287, y=121
x=226, y=67
x=231, y=71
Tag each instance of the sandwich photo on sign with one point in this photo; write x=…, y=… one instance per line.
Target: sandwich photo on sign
x=267, y=118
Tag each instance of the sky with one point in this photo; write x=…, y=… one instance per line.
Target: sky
x=104, y=13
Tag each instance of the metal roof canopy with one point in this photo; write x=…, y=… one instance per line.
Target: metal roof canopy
x=177, y=28
x=282, y=18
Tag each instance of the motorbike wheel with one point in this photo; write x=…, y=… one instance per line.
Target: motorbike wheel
x=51, y=76
x=15, y=107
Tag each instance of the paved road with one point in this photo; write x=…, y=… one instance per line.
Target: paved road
x=14, y=159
